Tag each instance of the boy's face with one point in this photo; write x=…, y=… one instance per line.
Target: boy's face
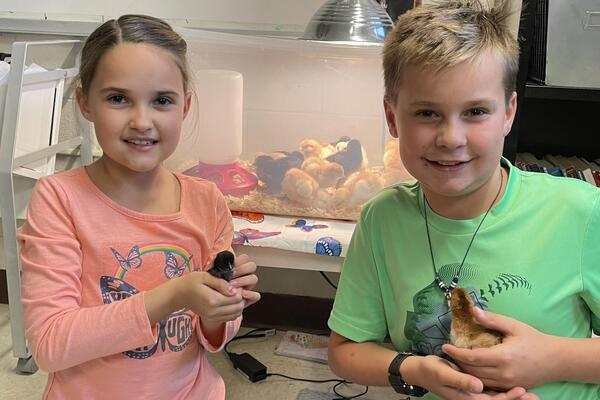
x=451, y=125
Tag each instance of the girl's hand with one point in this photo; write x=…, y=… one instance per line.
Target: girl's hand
x=444, y=379
x=522, y=359
x=213, y=299
x=244, y=277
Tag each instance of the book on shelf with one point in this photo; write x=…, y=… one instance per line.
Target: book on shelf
x=583, y=169
x=528, y=162
x=556, y=169
x=591, y=164
x=558, y=165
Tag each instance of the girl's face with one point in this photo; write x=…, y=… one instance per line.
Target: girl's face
x=137, y=103
x=451, y=125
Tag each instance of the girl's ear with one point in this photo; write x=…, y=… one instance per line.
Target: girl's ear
x=83, y=104
x=187, y=104
x=390, y=117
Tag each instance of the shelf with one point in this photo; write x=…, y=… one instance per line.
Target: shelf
x=533, y=90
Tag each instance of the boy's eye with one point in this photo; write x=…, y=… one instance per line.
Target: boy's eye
x=164, y=101
x=117, y=99
x=476, y=112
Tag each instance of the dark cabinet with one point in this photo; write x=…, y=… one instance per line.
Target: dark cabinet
x=551, y=119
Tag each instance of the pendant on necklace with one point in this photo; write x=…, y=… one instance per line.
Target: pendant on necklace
x=448, y=296
x=446, y=291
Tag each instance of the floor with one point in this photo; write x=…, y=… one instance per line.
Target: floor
x=25, y=387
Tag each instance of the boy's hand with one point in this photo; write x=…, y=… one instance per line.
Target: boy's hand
x=520, y=360
x=444, y=379
x=244, y=277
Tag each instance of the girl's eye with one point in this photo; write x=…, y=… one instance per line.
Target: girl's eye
x=117, y=99
x=425, y=114
x=476, y=112
x=164, y=101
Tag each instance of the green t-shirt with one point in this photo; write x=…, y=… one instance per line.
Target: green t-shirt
x=536, y=258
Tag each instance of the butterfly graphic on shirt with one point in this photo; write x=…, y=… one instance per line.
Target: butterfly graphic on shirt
x=243, y=236
x=305, y=226
x=115, y=289
x=133, y=260
x=174, y=332
x=172, y=268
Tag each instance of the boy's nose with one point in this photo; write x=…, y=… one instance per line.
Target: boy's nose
x=140, y=119
x=451, y=134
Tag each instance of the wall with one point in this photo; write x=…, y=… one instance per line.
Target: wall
x=276, y=12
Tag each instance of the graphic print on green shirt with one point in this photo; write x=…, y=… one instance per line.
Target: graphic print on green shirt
x=427, y=326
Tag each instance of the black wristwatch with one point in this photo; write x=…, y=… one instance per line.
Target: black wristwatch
x=396, y=379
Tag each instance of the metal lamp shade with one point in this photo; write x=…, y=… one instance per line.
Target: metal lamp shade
x=349, y=21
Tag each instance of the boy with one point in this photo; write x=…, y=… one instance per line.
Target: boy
x=524, y=245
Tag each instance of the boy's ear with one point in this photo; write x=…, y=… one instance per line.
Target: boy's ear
x=187, y=104
x=390, y=117
x=83, y=104
x=511, y=111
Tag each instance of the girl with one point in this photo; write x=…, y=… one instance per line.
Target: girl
x=117, y=300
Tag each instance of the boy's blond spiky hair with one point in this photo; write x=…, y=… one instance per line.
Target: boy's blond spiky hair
x=446, y=33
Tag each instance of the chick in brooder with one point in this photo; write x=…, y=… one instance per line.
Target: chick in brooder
x=271, y=168
x=328, y=174
x=299, y=186
x=346, y=152
x=350, y=154
x=311, y=148
x=358, y=188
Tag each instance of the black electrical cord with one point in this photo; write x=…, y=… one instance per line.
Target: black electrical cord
x=338, y=383
x=250, y=334
x=264, y=333
x=342, y=397
x=328, y=280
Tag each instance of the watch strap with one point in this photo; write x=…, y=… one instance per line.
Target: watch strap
x=395, y=378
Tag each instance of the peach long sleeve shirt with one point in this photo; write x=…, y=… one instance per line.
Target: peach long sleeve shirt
x=87, y=262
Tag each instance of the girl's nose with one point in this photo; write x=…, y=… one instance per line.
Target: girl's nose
x=140, y=119
x=451, y=134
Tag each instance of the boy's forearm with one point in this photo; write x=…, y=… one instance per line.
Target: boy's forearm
x=363, y=363
x=575, y=360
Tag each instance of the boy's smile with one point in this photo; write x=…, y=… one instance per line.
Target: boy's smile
x=451, y=126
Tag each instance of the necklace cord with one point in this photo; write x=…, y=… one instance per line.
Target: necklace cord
x=454, y=282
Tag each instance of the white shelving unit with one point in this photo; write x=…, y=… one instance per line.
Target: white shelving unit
x=18, y=130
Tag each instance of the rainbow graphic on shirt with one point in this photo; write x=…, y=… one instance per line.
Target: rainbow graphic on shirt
x=176, y=330
x=173, y=266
